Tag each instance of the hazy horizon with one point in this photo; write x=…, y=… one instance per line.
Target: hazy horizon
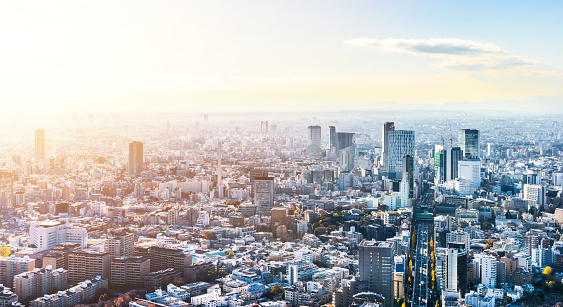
x=193, y=56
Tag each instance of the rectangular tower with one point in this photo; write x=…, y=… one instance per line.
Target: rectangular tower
x=468, y=140
x=400, y=144
x=314, y=136
x=39, y=145
x=135, y=158
x=376, y=260
x=388, y=126
x=332, y=137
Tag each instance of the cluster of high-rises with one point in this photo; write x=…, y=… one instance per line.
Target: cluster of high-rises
x=223, y=213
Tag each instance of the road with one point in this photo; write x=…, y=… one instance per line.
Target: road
x=423, y=227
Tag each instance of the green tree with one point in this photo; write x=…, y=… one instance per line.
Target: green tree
x=383, y=208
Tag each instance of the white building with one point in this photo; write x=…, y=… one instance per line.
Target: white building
x=534, y=194
x=488, y=271
x=470, y=170
x=460, y=237
x=401, y=143
x=47, y=235
x=404, y=190
x=210, y=299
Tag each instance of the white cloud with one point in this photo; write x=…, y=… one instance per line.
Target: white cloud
x=456, y=54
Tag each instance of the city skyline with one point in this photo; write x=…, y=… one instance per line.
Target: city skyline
x=268, y=56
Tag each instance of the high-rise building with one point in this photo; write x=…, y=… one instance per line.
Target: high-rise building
x=446, y=160
x=456, y=277
x=408, y=173
x=40, y=145
x=164, y=257
x=400, y=143
x=120, y=243
x=83, y=265
x=535, y=194
x=388, y=126
x=129, y=272
x=458, y=237
x=332, y=138
x=488, y=271
x=12, y=266
x=345, y=150
x=264, y=194
x=376, y=263
x=47, y=235
x=468, y=140
x=135, y=158
x=470, y=170
x=264, y=126
x=38, y=282
x=219, y=171
x=314, y=136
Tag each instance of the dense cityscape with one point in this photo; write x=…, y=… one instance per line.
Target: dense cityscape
x=282, y=210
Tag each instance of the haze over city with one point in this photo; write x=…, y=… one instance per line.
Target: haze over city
x=281, y=154
x=207, y=56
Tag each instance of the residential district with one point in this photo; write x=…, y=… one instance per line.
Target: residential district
x=309, y=212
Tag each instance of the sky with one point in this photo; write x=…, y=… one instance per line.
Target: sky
x=225, y=56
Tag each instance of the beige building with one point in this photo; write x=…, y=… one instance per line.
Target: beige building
x=83, y=265
x=120, y=243
x=12, y=266
x=30, y=285
x=164, y=257
x=129, y=272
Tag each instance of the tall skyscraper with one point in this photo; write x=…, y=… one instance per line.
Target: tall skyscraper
x=468, y=140
x=314, y=136
x=346, y=150
x=400, y=143
x=39, y=145
x=264, y=126
x=470, y=170
x=388, y=126
x=488, y=271
x=264, y=194
x=332, y=138
x=451, y=269
x=446, y=163
x=219, y=171
x=408, y=173
x=376, y=262
x=135, y=158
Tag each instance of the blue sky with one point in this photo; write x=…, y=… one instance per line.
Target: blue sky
x=274, y=55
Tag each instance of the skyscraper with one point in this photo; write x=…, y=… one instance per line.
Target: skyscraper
x=446, y=163
x=400, y=143
x=332, y=138
x=219, y=171
x=314, y=136
x=135, y=158
x=264, y=126
x=346, y=150
x=456, y=277
x=408, y=173
x=376, y=262
x=388, y=126
x=264, y=194
x=39, y=145
x=468, y=140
